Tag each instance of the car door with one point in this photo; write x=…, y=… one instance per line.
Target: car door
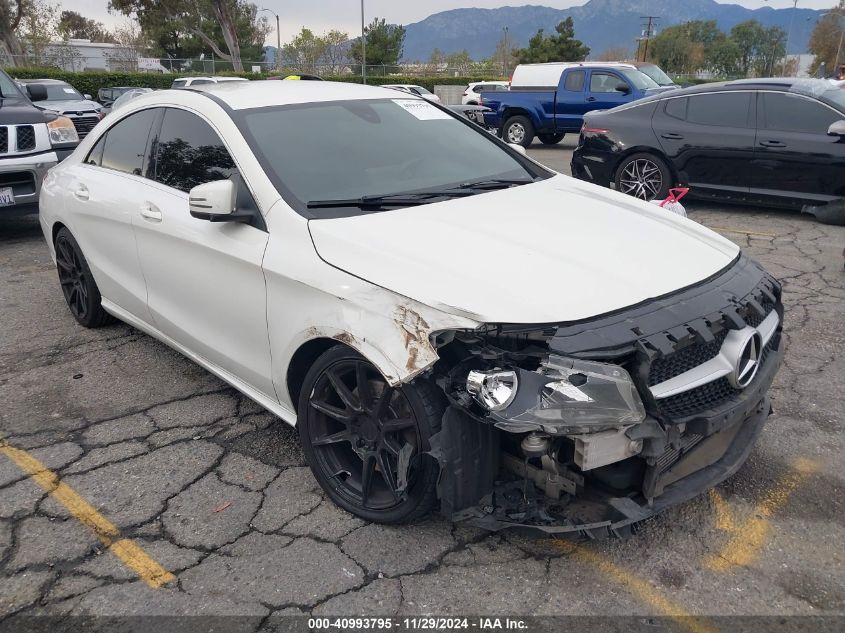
x=571, y=100
x=794, y=156
x=205, y=285
x=602, y=93
x=104, y=191
x=710, y=140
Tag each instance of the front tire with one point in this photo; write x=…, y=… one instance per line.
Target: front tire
x=78, y=285
x=518, y=130
x=644, y=176
x=356, y=430
x=550, y=139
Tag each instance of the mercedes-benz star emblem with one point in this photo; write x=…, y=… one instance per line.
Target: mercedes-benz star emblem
x=748, y=361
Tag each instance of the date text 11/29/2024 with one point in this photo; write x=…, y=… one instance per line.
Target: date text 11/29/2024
x=424, y=623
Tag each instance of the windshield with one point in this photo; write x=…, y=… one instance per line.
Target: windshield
x=640, y=80
x=61, y=92
x=7, y=86
x=346, y=150
x=656, y=73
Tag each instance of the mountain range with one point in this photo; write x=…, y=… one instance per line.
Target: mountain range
x=601, y=24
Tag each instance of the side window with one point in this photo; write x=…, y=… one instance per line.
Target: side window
x=603, y=82
x=725, y=109
x=478, y=89
x=676, y=108
x=197, y=82
x=792, y=113
x=126, y=142
x=95, y=156
x=575, y=81
x=189, y=152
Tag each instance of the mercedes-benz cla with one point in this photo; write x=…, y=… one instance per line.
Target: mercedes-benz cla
x=442, y=318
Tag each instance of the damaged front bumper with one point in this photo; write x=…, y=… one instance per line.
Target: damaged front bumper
x=592, y=441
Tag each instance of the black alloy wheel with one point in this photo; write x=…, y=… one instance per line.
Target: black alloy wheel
x=78, y=285
x=365, y=440
x=644, y=176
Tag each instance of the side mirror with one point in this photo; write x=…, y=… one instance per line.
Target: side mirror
x=623, y=88
x=837, y=128
x=519, y=148
x=87, y=96
x=215, y=201
x=36, y=92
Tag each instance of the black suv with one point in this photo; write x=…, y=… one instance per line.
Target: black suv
x=31, y=141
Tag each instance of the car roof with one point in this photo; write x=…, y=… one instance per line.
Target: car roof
x=240, y=95
x=793, y=84
x=58, y=82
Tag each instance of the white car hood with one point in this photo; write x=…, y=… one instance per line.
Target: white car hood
x=556, y=250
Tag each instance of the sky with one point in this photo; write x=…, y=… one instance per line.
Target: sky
x=323, y=15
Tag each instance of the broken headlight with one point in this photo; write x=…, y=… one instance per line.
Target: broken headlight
x=495, y=389
x=567, y=395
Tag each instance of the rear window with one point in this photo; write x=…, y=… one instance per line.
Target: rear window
x=725, y=109
x=575, y=81
x=179, y=83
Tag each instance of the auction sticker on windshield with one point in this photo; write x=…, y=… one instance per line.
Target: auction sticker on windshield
x=6, y=196
x=423, y=110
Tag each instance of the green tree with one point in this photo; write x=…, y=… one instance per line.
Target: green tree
x=37, y=28
x=562, y=47
x=229, y=27
x=73, y=25
x=304, y=52
x=384, y=44
x=770, y=52
x=748, y=37
x=461, y=61
x=825, y=39
x=686, y=48
x=336, y=55
x=11, y=14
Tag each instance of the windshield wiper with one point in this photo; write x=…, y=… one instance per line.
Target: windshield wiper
x=495, y=183
x=389, y=200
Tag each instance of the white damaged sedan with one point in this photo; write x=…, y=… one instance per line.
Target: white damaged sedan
x=445, y=320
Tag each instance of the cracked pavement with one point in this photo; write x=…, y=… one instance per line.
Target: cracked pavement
x=216, y=490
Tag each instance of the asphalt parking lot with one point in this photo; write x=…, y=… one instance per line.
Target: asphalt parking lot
x=175, y=495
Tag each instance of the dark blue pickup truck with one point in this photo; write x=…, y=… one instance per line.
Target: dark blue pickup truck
x=548, y=113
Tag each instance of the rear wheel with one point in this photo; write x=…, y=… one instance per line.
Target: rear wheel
x=550, y=139
x=518, y=130
x=78, y=285
x=644, y=176
x=366, y=441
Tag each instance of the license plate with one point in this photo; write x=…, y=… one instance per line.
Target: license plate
x=6, y=196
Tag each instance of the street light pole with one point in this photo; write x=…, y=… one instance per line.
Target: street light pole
x=278, y=39
x=363, y=47
x=789, y=35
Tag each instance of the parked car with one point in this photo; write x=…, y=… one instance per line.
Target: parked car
x=127, y=96
x=418, y=91
x=470, y=96
x=474, y=113
x=107, y=96
x=532, y=108
x=31, y=142
x=67, y=101
x=773, y=141
x=397, y=308
x=186, y=82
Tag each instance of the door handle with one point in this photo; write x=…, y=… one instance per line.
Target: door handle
x=772, y=143
x=150, y=213
x=81, y=192
x=672, y=136
x=591, y=98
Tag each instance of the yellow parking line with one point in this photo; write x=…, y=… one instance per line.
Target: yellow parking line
x=742, y=231
x=639, y=587
x=749, y=537
x=132, y=555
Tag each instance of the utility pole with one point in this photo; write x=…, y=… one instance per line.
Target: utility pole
x=505, y=51
x=648, y=33
x=363, y=46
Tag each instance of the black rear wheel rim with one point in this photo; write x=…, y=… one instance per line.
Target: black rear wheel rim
x=72, y=278
x=361, y=429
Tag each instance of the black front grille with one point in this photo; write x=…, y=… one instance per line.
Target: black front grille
x=26, y=138
x=685, y=359
x=4, y=140
x=699, y=399
x=85, y=124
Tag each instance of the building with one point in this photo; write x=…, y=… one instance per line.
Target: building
x=77, y=55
